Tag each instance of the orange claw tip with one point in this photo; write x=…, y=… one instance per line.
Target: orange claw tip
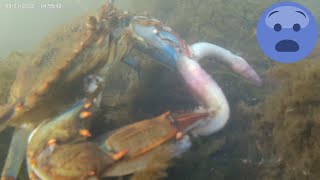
x=91, y=173
x=179, y=135
x=186, y=120
x=119, y=155
x=32, y=162
x=32, y=175
x=44, y=87
x=19, y=106
x=52, y=142
x=85, y=133
x=85, y=114
x=166, y=113
x=87, y=105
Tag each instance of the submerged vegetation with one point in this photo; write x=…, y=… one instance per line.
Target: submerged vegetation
x=287, y=123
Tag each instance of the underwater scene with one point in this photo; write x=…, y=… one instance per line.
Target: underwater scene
x=158, y=89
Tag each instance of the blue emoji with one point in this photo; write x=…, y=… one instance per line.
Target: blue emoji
x=287, y=32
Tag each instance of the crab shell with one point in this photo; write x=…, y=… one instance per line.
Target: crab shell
x=144, y=140
x=50, y=79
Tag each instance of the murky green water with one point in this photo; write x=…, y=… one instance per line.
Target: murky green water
x=273, y=130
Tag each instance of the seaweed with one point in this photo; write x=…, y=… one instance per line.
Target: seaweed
x=286, y=123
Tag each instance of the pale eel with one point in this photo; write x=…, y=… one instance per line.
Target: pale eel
x=205, y=89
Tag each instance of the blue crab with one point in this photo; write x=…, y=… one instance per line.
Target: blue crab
x=58, y=149
x=43, y=97
x=51, y=79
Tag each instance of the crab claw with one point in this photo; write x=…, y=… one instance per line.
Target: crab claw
x=157, y=40
x=117, y=156
x=186, y=121
x=144, y=139
x=58, y=148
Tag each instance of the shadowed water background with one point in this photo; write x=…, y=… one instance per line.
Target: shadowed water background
x=22, y=28
x=232, y=153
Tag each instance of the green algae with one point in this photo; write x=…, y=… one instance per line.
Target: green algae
x=287, y=122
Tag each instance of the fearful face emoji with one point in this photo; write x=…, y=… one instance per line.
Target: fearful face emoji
x=287, y=32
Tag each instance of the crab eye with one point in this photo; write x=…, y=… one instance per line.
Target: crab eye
x=277, y=27
x=296, y=27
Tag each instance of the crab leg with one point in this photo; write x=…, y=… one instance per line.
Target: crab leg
x=16, y=152
x=236, y=63
x=6, y=112
x=59, y=150
x=144, y=139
